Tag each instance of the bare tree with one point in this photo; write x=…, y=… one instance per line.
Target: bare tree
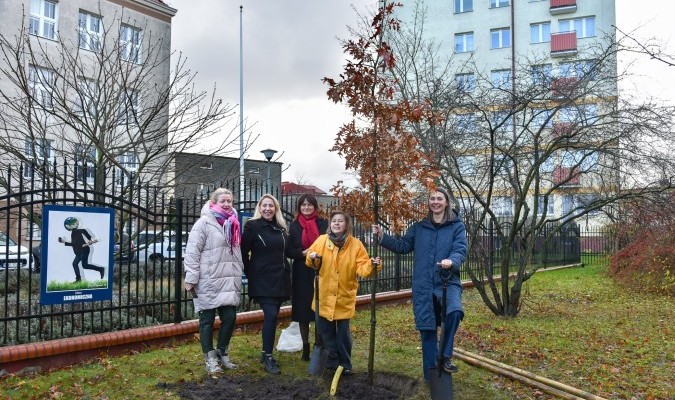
x=514, y=143
x=110, y=104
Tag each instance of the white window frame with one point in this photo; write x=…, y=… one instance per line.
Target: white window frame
x=37, y=152
x=466, y=123
x=466, y=82
x=501, y=78
x=464, y=42
x=467, y=165
x=43, y=20
x=541, y=118
x=40, y=81
x=502, y=206
x=540, y=32
x=542, y=74
x=131, y=39
x=90, y=31
x=462, y=6
x=499, y=3
x=550, y=209
x=583, y=26
x=129, y=163
x=500, y=38
x=87, y=96
x=129, y=107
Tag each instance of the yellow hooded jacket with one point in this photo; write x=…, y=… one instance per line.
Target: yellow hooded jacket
x=338, y=281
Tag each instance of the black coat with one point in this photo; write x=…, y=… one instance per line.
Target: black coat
x=302, y=277
x=263, y=248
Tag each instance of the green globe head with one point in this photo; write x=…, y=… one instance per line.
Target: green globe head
x=71, y=223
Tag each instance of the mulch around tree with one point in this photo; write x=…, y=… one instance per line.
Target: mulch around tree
x=354, y=386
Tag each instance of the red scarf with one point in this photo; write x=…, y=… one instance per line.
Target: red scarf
x=310, y=228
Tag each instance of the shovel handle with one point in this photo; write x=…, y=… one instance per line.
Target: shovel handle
x=336, y=379
x=316, y=262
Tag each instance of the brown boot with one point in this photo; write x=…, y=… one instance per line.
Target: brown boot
x=305, y=352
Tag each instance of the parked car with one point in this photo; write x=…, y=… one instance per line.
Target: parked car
x=13, y=256
x=156, y=246
x=125, y=249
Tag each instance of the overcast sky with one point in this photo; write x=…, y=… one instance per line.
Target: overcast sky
x=290, y=45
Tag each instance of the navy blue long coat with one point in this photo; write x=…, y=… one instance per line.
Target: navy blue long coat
x=432, y=244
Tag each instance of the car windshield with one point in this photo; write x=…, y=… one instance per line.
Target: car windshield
x=4, y=239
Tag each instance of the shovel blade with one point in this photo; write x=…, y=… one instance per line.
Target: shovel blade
x=318, y=361
x=440, y=385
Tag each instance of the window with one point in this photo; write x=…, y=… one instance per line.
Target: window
x=466, y=123
x=466, y=82
x=585, y=159
x=502, y=165
x=499, y=3
x=462, y=6
x=501, y=78
x=568, y=115
x=37, y=152
x=43, y=15
x=541, y=118
x=578, y=69
x=585, y=27
x=547, y=165
x=502, y=121
x=85, y=157
x=34, y=232
x=87, y=97
x=575, y=204
x=466, y=165
x=41, y=80
x=128, y=112
x=130, y=43
x=540, y=33
x=502, y=206
x=500, y=38
x=549, y=207
x=129, y=165
x=463, y=42
x=542, y=74
x=90, y=31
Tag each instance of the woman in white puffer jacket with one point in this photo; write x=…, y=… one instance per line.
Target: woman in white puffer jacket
x=213, y=270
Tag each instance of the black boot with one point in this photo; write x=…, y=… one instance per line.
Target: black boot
x=305, y=352
x=271, y=366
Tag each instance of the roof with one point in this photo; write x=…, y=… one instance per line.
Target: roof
x=295, y=188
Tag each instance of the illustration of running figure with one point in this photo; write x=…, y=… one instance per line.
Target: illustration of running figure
x=80, y=240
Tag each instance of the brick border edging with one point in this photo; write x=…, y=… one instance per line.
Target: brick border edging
x=62, y=352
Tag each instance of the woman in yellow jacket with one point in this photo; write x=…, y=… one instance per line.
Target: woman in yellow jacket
x=343, y=257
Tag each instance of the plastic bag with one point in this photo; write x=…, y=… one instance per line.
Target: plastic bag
x=290, y=340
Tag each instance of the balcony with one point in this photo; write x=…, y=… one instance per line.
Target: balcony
x=566, y=176
x=562, y=129
x=563, y=6
x=563, y=44
x=563, y=87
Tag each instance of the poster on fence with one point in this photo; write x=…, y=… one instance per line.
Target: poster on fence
x=77, y=254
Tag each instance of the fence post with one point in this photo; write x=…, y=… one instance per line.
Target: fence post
x=397, y=269
x=178, y=263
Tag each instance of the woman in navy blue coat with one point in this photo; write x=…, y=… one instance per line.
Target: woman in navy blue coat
x=440, y=245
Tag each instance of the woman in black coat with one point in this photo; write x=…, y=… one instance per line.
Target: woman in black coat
x=264, y=244
x=303, y=231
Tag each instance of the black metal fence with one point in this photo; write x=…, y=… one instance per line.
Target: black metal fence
x=147, y=280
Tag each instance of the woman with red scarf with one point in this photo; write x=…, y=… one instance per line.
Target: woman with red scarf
x=303, y=231
x=213, y=269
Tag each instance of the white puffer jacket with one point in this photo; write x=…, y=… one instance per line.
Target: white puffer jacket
x=212, y=265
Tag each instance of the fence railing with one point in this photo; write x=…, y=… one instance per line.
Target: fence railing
x=147, y=280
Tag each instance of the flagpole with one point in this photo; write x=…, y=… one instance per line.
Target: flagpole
x=241, y=107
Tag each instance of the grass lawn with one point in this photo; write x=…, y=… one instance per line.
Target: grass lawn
x=576, y=326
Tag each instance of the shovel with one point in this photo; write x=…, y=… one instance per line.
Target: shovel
x=440, y=381
x=317, y=363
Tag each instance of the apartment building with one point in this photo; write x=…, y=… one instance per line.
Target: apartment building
x=528, y=93
x=83, y=101
x=83, y=80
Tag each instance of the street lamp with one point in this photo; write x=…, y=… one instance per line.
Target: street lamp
x=268, y=153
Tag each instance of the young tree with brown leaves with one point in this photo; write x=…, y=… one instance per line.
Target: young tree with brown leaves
x=376, y=144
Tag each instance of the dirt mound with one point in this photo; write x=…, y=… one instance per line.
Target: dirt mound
x=355, y=386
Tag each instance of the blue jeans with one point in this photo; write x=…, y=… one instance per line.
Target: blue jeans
x=270, y=307
x=337, y=338
x=430, y=342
